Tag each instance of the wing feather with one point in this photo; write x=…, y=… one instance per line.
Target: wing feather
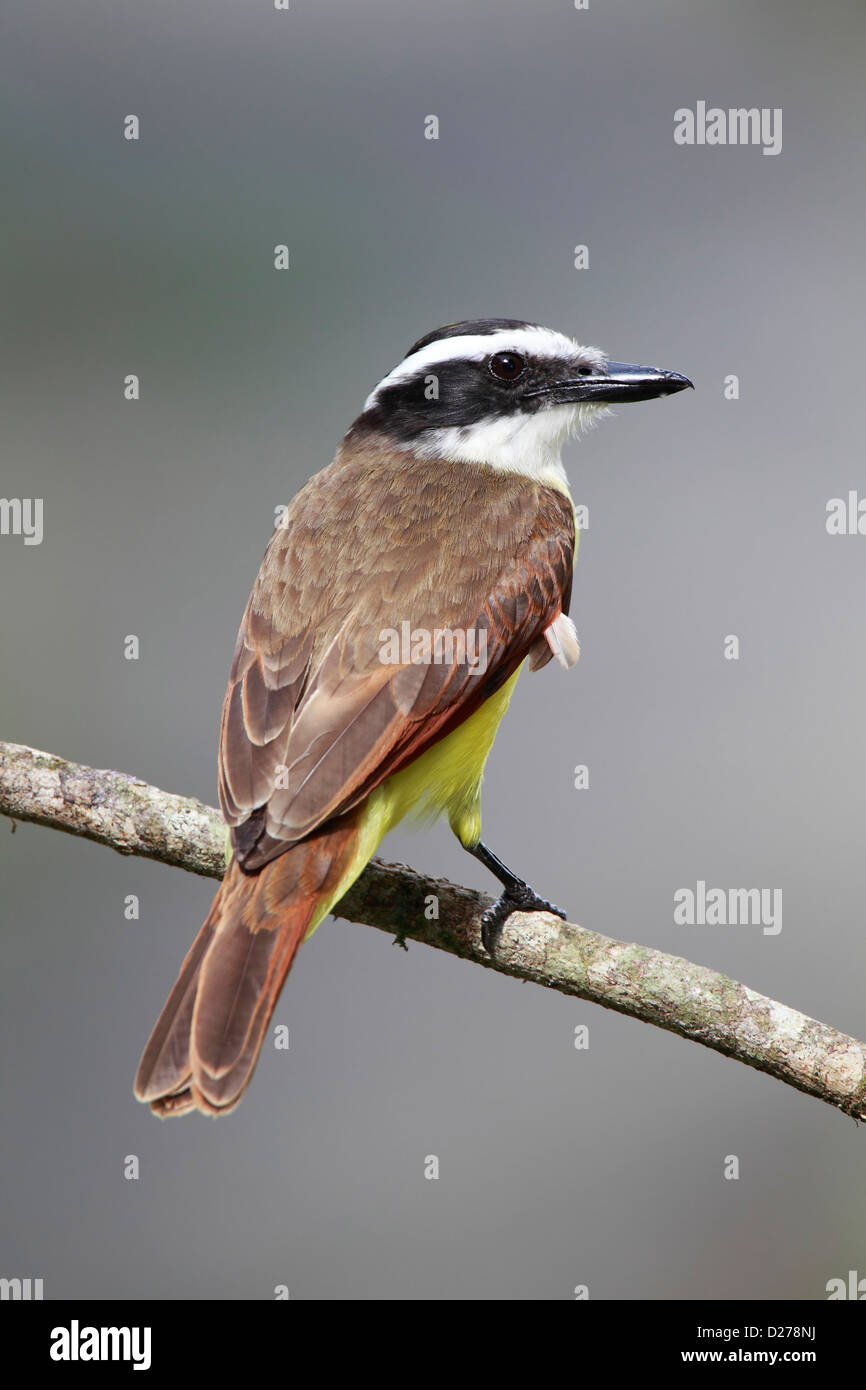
x=313, y=718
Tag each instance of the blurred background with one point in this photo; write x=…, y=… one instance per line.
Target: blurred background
x=558, y=1167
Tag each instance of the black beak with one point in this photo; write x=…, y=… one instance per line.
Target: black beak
x=618, y=381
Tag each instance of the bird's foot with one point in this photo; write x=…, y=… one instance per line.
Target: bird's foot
x=518, y=897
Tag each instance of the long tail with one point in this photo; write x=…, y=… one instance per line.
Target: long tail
x=206, y=1042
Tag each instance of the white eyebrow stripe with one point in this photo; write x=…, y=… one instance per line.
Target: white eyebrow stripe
x=538, y=342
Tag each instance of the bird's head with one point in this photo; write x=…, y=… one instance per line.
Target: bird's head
x=502, y=392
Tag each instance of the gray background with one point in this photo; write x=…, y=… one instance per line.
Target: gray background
x=558, y=1167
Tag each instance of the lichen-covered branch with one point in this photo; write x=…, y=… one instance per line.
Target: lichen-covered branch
x=672, y=993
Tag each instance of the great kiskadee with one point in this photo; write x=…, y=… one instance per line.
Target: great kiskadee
x=397, y=600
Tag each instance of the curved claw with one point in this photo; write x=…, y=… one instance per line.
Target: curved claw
x=520, y=898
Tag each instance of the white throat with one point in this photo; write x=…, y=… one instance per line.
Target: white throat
x=519, y=443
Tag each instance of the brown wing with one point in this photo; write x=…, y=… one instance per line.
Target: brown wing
x=313, y=719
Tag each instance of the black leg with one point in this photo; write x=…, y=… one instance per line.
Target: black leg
x=517, y=896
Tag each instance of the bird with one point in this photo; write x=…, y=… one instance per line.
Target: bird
x=401, y=593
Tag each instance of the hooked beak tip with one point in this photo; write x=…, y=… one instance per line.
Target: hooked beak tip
x=677, y=382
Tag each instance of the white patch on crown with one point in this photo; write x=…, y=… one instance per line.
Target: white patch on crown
x=534, y=342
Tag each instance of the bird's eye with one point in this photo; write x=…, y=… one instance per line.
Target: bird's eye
x=506, y=366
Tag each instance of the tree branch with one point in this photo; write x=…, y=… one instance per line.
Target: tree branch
x=672, y=993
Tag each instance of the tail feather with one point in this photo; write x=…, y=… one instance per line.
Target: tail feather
x=164, y=1066
x=205, y=1045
